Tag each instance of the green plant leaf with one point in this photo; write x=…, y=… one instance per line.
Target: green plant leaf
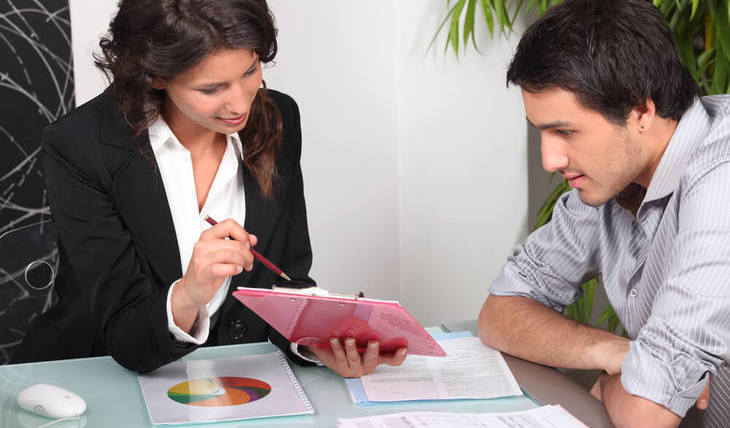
x=704, y=59
x=517, y=10
x=546, y=212
x=454, y=28
x=543, y=6
x=605, y=316
x=609, y=317
x=469, y=23
x=719, y=75
x=695, y=4
x=570, y=312
x=723, y=29
x=582, y=309
x=589, y=296
x=487, y=10
x=687, y=54
x=502, y=16
x=441, y=26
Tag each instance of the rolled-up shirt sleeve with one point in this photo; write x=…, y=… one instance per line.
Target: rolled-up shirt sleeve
x=687, y=335
x=555, y=259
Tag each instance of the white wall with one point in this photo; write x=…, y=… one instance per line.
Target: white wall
x=463, y=161
x=336, y=59
x=414, y=165
x=89, y=21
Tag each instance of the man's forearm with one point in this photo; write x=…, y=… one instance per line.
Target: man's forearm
x=524, y=328
x=628, y=411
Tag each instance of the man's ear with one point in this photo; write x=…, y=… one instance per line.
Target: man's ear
x=642, y=116
x=157, y=82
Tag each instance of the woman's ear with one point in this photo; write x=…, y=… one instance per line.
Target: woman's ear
x=157, y=82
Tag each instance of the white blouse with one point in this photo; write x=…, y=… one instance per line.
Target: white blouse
x=225, y=200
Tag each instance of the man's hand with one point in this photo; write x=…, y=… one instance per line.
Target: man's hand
x=609, y=353
x=348, y=362
x=704, y=399
x=596, y=390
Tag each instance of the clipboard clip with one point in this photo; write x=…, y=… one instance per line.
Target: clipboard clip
x=317, y=291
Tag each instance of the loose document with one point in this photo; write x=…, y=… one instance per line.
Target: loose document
x=469, y=371
x=540, y=417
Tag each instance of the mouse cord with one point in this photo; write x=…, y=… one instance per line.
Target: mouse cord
x=59, y=420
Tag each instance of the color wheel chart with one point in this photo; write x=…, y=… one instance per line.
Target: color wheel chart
x=219, y=391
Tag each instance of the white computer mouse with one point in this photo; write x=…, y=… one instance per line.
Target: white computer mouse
x=51, y=401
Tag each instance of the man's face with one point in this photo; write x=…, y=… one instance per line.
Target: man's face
x=597, y=157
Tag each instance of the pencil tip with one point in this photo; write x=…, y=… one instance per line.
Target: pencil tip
x=285, y=276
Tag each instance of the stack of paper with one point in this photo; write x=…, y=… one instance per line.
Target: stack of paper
x=469, y=371
x=540, y=417
x=245, y=387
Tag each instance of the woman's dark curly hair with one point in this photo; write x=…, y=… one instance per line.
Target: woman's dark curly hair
x=150, y=39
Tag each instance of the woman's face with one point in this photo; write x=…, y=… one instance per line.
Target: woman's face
x=216, y=94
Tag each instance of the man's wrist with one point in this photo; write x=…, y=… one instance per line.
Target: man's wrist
x=608, y=355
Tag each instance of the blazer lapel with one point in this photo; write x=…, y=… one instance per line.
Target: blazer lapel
x=140, y=197
x=261, y=214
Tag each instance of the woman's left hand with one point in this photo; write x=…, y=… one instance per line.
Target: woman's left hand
x=347, y=361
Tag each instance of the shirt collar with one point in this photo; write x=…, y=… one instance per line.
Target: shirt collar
x=690, y=132
x=160, y=134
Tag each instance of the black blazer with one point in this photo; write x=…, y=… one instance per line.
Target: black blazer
x=118, y=249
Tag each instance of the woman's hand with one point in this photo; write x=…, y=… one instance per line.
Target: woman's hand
x=348, y=362
x=214, y=259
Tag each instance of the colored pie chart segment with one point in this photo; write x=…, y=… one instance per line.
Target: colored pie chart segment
x=219, y=391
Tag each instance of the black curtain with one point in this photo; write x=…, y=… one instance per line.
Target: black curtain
x=36, y=88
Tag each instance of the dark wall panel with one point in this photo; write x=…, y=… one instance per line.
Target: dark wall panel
x=36, y=88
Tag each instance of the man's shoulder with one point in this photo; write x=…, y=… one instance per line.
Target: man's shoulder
x=717, y=105
x=718, y=108
x=714, y=150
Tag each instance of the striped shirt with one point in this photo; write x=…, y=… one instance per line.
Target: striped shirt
x=666, y=270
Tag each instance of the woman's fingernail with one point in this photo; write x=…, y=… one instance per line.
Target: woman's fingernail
x=402, y=352
x=335, y=343
x=239, y=269
x=350, y=342
x=373, y=345
x=703, y=403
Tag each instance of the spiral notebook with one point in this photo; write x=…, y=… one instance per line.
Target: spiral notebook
x=226, y=389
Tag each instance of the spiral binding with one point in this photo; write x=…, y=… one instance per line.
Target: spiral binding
x=295, y=382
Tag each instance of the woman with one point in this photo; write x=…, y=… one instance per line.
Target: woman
x=183, y=131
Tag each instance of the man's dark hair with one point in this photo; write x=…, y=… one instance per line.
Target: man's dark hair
x=612, y=54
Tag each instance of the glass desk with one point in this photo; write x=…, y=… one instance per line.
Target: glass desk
x=114, y=398
x=547, y=385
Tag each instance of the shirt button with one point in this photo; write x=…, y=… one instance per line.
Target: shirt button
x=633, y=292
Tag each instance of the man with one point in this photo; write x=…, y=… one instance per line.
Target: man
x=649, y=162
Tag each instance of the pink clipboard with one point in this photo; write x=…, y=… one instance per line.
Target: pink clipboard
x=311, y=320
